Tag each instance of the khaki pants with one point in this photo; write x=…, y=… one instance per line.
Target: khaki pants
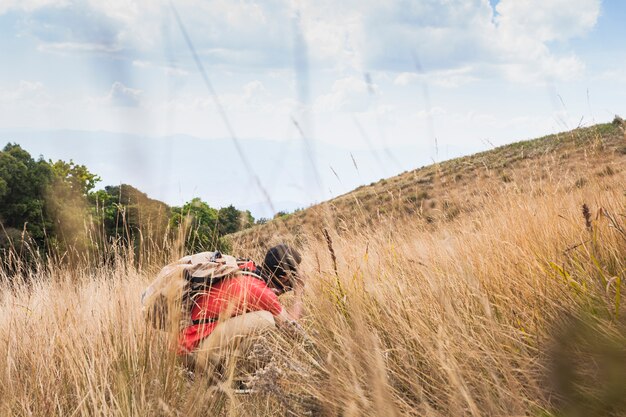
x=225, y=352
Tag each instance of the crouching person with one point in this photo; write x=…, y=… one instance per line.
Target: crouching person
x=227, y=304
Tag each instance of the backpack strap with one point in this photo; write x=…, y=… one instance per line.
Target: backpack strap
x=206, y=320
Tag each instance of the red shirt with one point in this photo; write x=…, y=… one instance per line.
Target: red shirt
x=233, y=296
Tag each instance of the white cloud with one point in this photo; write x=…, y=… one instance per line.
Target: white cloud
x=175, y=71
x=406, y=78
x=525, y=29
x=28, y=5
x=546, y=69
x=142, y=64
x=427, y=114
x=451, y=42
x=255, y=92
x=236, y=34
x=613, y=75
x=25, y=89
x=69, y=28
x=225, y=32
x=122, y=96
x=252, y=97
x=349, y=94
x=77, y=47
x=171, y=70
x=444, y=78
x=548, y=20
x=26, y=93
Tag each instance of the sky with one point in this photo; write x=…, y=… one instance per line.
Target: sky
x=275, y=105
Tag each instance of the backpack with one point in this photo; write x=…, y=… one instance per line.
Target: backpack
x=168, y=300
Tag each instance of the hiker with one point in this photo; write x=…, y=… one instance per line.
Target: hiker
x=240, y=301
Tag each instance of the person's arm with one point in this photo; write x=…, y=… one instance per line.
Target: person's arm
x=283, y=317
x=262, y=298
x=285, y=321
x=295, y=311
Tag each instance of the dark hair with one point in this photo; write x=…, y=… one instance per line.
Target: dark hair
x=281, y=261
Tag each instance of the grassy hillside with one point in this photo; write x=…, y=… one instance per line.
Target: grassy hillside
x=440, y=192
x=488, y=285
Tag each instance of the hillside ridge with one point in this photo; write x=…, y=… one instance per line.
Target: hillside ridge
x=443, y=190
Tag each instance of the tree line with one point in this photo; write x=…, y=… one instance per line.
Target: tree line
x=52, y=209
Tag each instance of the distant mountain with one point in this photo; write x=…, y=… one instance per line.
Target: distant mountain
x=175, y=169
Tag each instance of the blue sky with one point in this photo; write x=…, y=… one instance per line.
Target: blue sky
x=398, y=83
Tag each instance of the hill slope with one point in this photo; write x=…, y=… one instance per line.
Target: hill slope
x=441, y=192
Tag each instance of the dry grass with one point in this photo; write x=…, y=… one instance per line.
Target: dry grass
x=512, y=307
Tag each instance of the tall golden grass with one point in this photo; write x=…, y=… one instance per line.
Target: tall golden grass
x=514, y=308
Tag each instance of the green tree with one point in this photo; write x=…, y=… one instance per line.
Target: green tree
x=23, y=182
x=128, y=215
x=247, y=220
x=281, y=214
x=231, y=220
x=55, y=204
x=228, y=220
x=67, y=204
x=76, y=177
x=199, y=223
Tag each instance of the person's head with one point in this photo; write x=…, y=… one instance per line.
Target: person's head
x=280, y=268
